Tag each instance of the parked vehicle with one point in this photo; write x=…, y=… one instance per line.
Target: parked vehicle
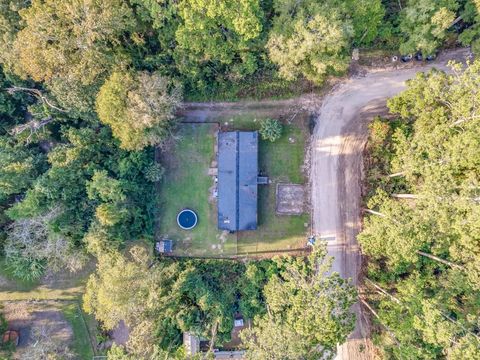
x=406, y=58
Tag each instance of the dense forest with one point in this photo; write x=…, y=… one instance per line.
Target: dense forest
x=89, y=88
x=422, y=232
x=297, y=309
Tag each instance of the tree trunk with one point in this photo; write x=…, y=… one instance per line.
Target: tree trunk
x=35, y=92
x=401, y=173
x=455, y=21
x=382, y=291
x=406, y=196
x=214, y=336
x=373, y=212
x=440, y=260
x=390, y=332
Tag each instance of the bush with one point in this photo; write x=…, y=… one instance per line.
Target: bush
x=154, y=172
x=271, y=130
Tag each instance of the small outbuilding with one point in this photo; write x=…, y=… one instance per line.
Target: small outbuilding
x=164, y=246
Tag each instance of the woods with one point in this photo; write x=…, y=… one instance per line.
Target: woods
x=291, y=299
x=89, y=89
x=422, y=235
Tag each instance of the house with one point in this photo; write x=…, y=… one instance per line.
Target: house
x=237, y=180
x=192, y=344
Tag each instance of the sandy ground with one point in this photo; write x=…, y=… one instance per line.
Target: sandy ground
x=336, y=173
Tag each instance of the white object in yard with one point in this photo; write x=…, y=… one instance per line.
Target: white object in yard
x=355, y=55
x=238, y=322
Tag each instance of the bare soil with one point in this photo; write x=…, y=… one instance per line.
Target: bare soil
x=23, y=316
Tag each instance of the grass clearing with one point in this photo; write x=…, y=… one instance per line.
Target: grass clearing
x=282, y=161
x=188, y=185
x=60, y=286
x=81, y=343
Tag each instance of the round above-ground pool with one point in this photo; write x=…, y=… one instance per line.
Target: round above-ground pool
x=187, y=219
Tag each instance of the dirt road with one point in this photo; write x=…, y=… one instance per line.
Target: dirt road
x=337, y=146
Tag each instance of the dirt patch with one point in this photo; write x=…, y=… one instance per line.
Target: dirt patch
x=290, y=199
x=120, y=334
x=23, y=316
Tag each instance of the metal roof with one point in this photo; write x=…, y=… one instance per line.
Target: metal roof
x=164, y=246
x=237, y=180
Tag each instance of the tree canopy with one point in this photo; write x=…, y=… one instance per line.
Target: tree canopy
x=424, y=24
x=313, y=39
x=138, y=107
x=308, y=311
x=423, y=235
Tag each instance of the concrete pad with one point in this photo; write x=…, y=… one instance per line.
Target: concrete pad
x=290, y=199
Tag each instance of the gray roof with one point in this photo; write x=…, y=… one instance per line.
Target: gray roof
x=237, y=180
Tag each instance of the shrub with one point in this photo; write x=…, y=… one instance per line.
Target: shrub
x=271, y=130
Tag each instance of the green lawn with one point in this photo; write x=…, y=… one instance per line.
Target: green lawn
x=81, y=344
x=187, y=185
x=282, y=162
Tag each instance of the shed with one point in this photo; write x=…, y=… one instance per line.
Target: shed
x=191, y=343
x=237, y=180
x=164, y=246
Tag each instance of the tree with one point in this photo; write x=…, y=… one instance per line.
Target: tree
x=10, y=24
x=367, y=19
x=72, y=43
x=471, y=35
x=31, y=248
x=18, y=167
x=424, y=24
x=313, y=40
x=215, y=36
x=139, y=107
x=127, y=289
x=82, y=39
x=308, y=312
x=271, y=130
x=314, y=44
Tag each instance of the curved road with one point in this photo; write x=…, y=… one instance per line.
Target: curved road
x=337, y=145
